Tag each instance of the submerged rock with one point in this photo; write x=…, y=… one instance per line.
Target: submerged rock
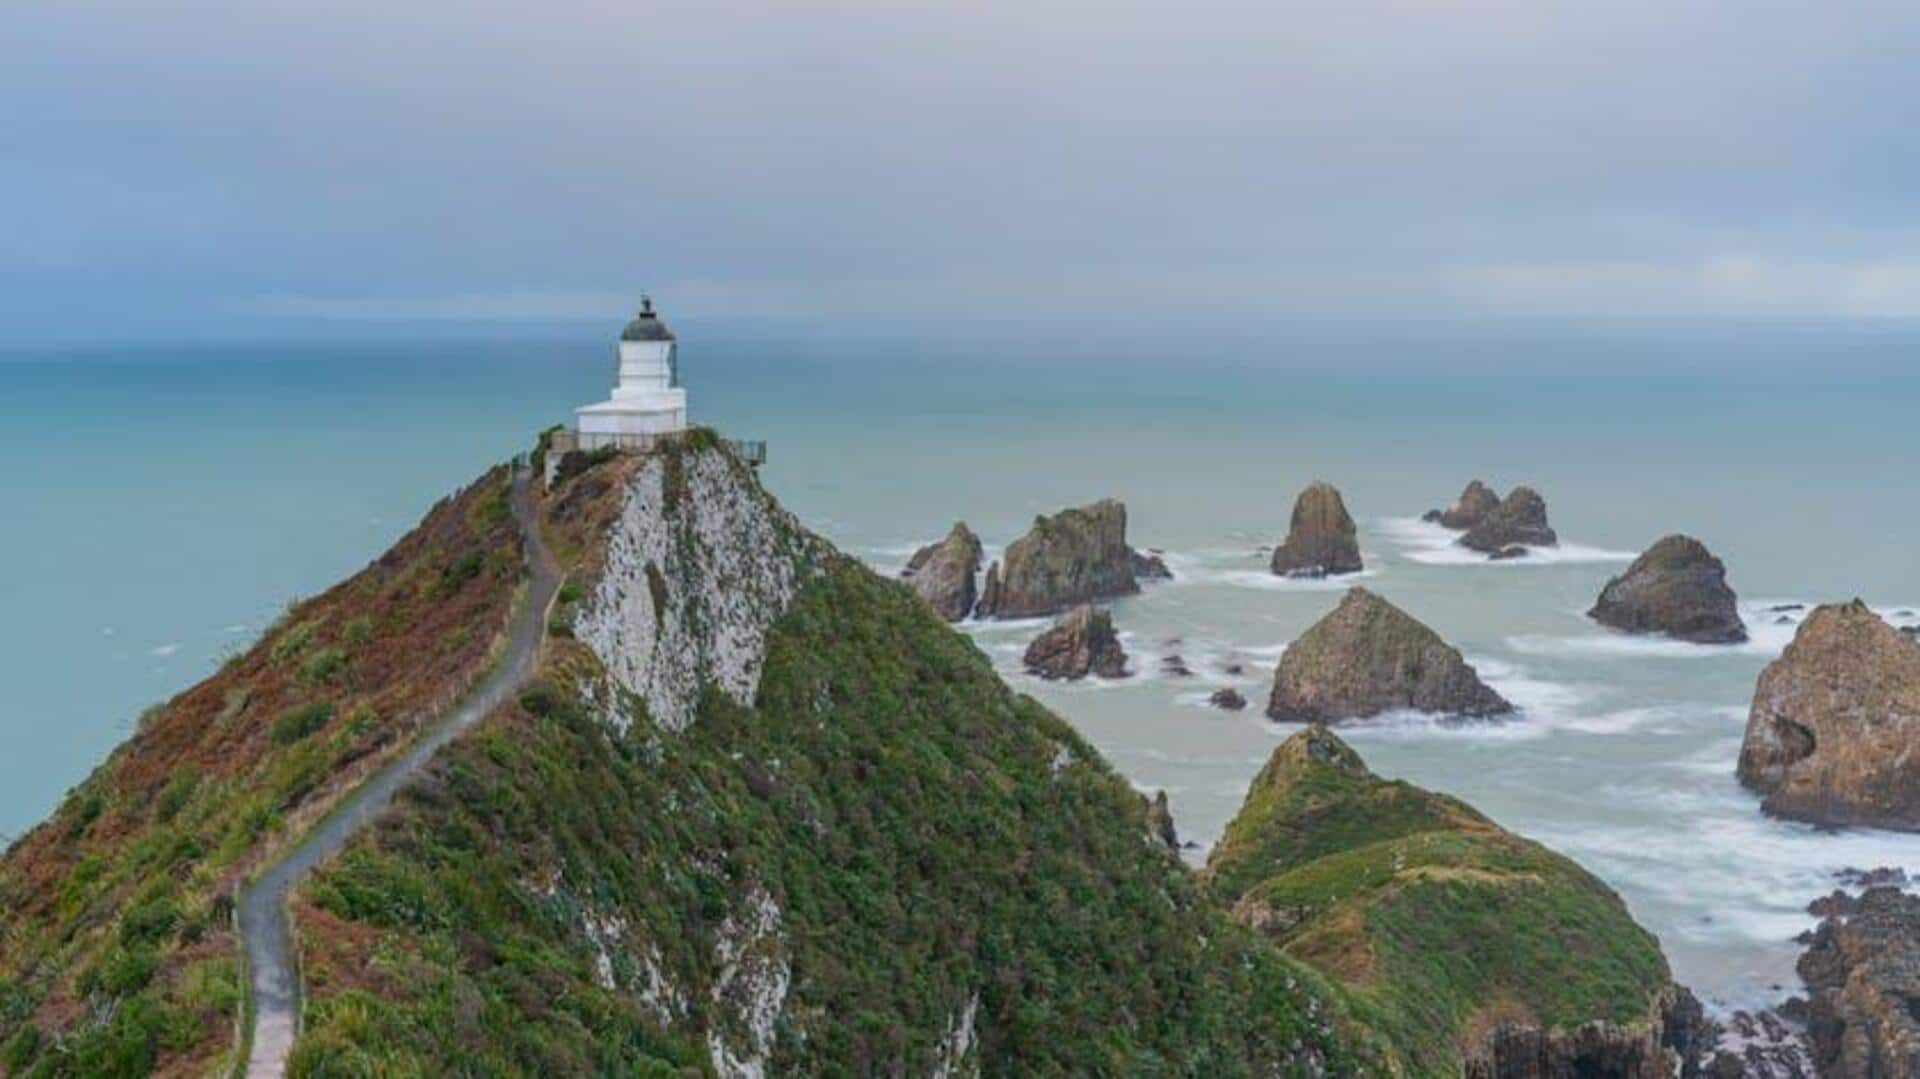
x=1150, y=566
x=1367, y=657
x=1321, y=540
x=1229, y=699
x=1863, y=984
x=1176, y=665
x=1506, y=553
x=1834, y=721
x=1468, y=510
x=1677, y=588
x=1075, y=556
x=943, y=573
x=1519, y=520
x=1082, y=642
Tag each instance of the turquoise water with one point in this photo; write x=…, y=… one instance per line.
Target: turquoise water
x=163, y=504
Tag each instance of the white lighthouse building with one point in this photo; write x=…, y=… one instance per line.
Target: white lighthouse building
x=647, y=406
x=647, y=399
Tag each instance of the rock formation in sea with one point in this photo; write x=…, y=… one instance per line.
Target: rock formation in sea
x=1677, y=588
x=1227, y=699
x=943, y=572
x=1862, y=972
x=1321, y=540
x=1367, y=657
x=1075, y=556
x=1160, y=821
x=1490, y=954
x=1831, y=734
x=1468, y=510
x=1519, y=520
x=1080, y=643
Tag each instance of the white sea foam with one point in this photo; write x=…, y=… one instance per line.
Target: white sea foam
x=1430, y=544
x=166, y=649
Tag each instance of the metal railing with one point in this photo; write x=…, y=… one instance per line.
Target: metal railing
x=752, y=451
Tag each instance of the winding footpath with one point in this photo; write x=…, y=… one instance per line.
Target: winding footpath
x=273, y=979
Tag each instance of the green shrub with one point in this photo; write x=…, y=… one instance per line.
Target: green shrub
x=359, y=631
x=125, y=971
x=21, y=1049
x=323, y=667
x=300, y=721
x=293, y=641
x=150, y=923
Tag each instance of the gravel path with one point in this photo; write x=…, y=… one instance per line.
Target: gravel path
x=273, y=985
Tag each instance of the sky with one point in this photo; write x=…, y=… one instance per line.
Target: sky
x=201, y=167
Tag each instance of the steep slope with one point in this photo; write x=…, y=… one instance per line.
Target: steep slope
x=875, y=859
x=1472, y=949
x=116, y=952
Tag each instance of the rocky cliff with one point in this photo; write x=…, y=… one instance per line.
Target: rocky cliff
x=1075, y=556
x=1321, y=539
x=1367, y=657
x=1834, y=722
x=944, y=572
x=1479, y=952
x=1862, y=971
x=875, y=860
x=1677, y=588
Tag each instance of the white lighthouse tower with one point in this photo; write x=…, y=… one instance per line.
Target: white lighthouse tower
x=647, y=399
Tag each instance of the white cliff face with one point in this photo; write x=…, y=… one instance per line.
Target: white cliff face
x=700, y=563
x=751, y=988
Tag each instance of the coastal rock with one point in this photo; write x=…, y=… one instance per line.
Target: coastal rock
x=1443, y=923
x=1677, y=588
x=1520, y=519
x=1321, y=540
x=1150, y=566
x=1160, y=821
x=1367, y=657
x=1229, y=699
x=1075, y=556
x=1082, y=642
x=1863, y=983
x=1176, y=665
x=1833, y=724
x=943, y=573
x=1468, y=510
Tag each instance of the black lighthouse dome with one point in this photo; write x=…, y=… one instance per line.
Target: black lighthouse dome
x=646, y=326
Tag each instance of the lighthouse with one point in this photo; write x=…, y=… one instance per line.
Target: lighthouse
x=647, y=399
x=647, y=406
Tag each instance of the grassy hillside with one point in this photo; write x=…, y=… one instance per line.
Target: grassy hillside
x=116, y=955
x=1441, y=923
x=890, y=862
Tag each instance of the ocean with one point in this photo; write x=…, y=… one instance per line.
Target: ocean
x=165, y=502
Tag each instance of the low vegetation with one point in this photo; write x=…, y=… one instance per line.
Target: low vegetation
x=1440, y=922
x=891, y=850
x=116, y=952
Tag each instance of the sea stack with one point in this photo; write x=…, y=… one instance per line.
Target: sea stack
x=1368, y=657
x=1834, y=721
x=1082, y=642
x=1468, y=510
x=943, y=573
x=1321, y=540
x=1075, y=556
x=1677, y=588
x=1519, y=520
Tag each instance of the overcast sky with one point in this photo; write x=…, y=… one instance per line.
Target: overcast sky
x=196, y=164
